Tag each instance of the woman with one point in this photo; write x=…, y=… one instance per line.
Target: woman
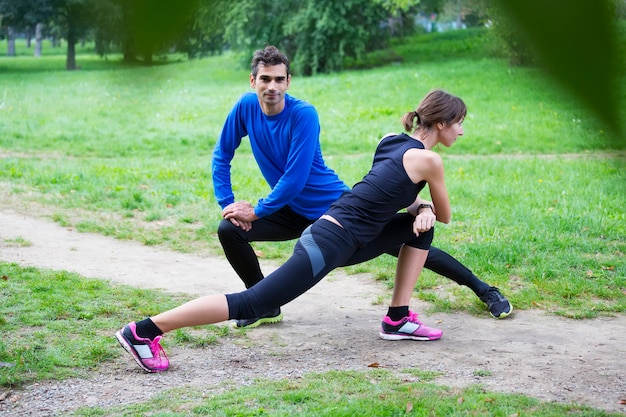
x=362, y=224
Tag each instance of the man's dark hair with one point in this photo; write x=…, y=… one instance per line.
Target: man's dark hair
x=270, y=55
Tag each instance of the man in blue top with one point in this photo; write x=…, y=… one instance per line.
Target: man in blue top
x=284, y=137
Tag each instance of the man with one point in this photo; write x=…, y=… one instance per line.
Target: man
x=284, y=137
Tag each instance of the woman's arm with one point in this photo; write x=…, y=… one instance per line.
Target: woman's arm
x=424, y=165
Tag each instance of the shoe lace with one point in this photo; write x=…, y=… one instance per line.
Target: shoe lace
x=493, y=296
x=413, y=318
x=156, y=348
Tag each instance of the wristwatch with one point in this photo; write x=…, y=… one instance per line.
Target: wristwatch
x=421, y=206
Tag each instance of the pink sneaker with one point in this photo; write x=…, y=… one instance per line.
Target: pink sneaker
x=149, y=354
x=408, y=328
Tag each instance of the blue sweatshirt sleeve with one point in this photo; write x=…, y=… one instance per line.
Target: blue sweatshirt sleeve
x=304, y=130
x=230, y=138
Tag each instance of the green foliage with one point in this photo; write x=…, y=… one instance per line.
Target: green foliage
x=144, y=28
x=206, y=35
x=316, y=35
x=507, y=41
x=436, y=47
x=328, y=31
x=395, y=6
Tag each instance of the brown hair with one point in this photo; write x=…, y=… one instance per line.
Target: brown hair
x=438, y=106
x=270, y=55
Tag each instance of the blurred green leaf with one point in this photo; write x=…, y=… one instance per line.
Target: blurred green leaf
x=576, y=40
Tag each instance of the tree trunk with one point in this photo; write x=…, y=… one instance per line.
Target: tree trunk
x=70, y=63
x=10, y=41
x=38, y=38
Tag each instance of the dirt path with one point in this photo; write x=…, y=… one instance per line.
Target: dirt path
x=333, y=327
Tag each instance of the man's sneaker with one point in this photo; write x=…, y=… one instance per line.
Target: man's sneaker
x=273, y=316
x=498, y=305
x=149, y=354
x=408, y=328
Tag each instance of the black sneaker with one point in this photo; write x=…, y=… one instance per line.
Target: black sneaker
x=273, y=316
x=498, y=305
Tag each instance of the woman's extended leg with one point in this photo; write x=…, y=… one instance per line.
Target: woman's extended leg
x=312, y=259
x=204, y=310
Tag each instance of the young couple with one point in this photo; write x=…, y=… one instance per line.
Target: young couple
x=335, y=226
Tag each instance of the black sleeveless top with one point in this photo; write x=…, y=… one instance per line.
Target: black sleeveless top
x=365, y=210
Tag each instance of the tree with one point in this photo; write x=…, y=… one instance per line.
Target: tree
x=24, y=15
x=76, y=17
x=252, y=24
x=38, y=39
x=206, y=35
x=148, y=27
x=317, y=35
x=12, y=14
x=329, y=31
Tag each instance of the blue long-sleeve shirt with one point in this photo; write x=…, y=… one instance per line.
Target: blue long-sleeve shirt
x=287, y=150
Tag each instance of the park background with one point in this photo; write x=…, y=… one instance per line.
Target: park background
x=122, y=147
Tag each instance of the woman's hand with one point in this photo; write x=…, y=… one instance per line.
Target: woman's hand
x=424, y=221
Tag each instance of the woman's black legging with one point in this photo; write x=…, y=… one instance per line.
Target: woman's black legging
x=322, y=247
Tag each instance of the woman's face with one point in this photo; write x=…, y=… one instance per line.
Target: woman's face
x=449, y=133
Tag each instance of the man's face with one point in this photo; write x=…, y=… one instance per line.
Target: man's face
x=270, y=84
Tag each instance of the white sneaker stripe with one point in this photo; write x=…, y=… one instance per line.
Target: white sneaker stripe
x=143, y=351
x=409, y=327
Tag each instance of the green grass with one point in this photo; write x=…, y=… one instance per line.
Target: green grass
x=335, y=394
x=536, y=187
x=56, y=324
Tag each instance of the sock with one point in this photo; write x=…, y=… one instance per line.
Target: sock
x=147, y=328
x=398, y=313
